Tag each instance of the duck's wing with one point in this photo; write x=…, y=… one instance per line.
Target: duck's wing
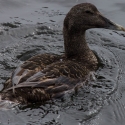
x=53, y=81
x=30, y=67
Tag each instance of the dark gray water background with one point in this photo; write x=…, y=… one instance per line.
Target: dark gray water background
x=29, y=27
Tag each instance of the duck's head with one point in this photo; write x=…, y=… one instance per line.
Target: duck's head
x=85, y=16
x=80, y=18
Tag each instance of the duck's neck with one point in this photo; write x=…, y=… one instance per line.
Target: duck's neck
x=75, y=45
x=77, y=48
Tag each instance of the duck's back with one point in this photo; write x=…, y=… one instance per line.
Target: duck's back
x=43, y=77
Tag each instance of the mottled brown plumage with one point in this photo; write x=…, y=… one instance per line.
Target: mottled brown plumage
x=46, y=76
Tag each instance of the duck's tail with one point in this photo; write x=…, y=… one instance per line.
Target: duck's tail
x=6, y=104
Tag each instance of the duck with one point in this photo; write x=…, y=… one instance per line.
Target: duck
x=49, y=76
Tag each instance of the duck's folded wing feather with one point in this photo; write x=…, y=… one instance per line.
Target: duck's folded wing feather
x=46, y=89
x=31, y=67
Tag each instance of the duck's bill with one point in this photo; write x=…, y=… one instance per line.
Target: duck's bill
x=119, y=27
x=113, y=26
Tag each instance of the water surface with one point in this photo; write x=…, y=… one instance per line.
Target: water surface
x=32, y=27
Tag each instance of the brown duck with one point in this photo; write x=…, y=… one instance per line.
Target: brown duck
x=46, y=76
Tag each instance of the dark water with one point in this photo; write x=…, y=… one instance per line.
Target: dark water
x=32, y=27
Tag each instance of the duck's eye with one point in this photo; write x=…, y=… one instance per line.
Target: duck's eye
x=89, y=12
